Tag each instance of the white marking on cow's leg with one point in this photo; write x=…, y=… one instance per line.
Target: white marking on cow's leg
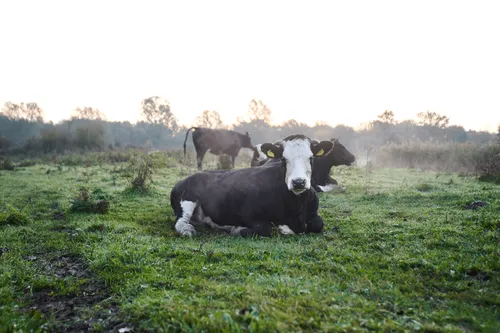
x=183, y=226
x=285, y=230
x=232, y=230
x=331, y=187
x=236, y=231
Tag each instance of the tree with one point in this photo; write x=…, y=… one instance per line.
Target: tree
x=455, y=134
x=433, y=119
x=387, y=117
x=320, y=130
x=90, y=136
x=11, y=111
x=291, y=123
x=209, y=119
x=257, y=111
x=344, y=132
x=88, y=112
x=320, y=123
x=29, y=111
x=4, y=143
x=156, y=110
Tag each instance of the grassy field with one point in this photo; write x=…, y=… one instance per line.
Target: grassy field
x=399, y=253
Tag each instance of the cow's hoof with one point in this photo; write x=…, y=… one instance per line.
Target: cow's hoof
x=285, y=230
x=187, y=230
x=236, y=231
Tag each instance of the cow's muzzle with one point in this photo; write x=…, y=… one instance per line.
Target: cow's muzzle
x=298, y=185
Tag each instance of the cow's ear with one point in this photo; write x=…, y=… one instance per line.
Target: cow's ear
x=272, y=151
x=322, y=148
x=247, y=134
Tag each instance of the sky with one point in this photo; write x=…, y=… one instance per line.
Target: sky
x=343, y=62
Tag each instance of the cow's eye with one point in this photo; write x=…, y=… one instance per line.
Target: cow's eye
x=283, y=162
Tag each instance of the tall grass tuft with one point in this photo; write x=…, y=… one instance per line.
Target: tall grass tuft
x=89, y=202
x=141, y=170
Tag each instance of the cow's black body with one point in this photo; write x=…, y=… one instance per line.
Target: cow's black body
x=322, y=165
x=253, y=198
x=217, y=141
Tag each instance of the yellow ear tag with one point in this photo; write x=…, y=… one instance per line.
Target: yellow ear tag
x=270, y=153
x=320, y=152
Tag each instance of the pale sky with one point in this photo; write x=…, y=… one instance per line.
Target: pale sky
x=343, y=62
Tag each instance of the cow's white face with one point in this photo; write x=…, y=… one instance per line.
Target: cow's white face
x=298, y=156
x=297, y=153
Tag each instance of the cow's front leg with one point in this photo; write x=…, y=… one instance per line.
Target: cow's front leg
x=297, y=227
x=183, y=224
x=314, y=224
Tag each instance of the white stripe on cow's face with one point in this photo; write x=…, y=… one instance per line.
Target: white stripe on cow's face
x=298, y=154
x=262, y=156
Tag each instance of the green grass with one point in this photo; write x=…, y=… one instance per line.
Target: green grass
x=399, y=253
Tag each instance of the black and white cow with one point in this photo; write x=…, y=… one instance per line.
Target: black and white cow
x=250, y=201
x=258, y=158
x=321, y=179
x=217, y=141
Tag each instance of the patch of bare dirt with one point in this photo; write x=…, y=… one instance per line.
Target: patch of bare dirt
x=86, y=309
x=476, y=204
x=478, y=275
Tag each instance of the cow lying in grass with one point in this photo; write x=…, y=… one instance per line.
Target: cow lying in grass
x=248, y=202
x=321, y=179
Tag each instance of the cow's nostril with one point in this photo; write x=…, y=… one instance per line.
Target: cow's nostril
x=298, y=183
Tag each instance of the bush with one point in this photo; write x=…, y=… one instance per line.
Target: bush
x=465, y=158
x=424, y=187
x=4, y=143
x=6, y=164
x=488, y=164
x=224, y=162
x=161, y=160
x=26, y=163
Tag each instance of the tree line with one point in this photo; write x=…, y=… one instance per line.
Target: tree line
x=23, y=129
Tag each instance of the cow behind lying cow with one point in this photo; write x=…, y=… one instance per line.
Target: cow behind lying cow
x=217, y=141
x=321, y=179
x=250, y=201
x=258, y=158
